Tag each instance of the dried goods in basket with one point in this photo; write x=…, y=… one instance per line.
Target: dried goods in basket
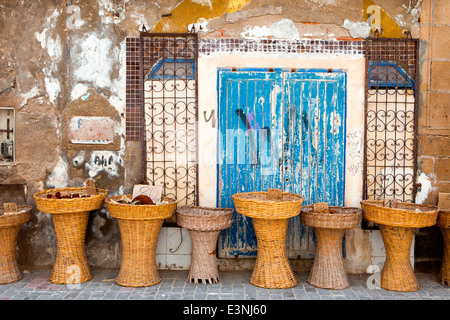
x=139, y=229
x=70, y=217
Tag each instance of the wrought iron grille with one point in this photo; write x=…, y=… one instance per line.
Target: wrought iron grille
x=170, y=114
x=391, y=119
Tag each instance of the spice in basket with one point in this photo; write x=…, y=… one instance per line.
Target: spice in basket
x=58, y=195
x=141, y=200
x=138, y=200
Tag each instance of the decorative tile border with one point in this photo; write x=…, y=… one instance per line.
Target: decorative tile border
x=209, y=46
x=212, y=46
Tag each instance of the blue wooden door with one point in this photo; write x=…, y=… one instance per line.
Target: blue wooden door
x=249, y=151
x=314, y=140
x=279, y=130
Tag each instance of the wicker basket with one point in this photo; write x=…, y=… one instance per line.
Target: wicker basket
x=204, y=219
x=140, y=212
x=9, y=228
x=397, y=227
x=256, y=205
x=70, y=219
x=339, y=218
x=204, y=225
x=139, y=228
x=270, y=221
x=402, y=215
x=328, y=268
x=443, y=222
x=53, y=206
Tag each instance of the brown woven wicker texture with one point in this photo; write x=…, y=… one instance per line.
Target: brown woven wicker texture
x=204, y=225
x=52, y=206
x=270, y=221
x=70, y=218
x=397, y=227
x=328, y=268
x=9, y=228
x=255, y=205
x=139, y=229
x=443, y=222
x=401, y=215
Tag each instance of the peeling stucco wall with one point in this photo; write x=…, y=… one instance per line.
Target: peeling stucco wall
x=65, y=59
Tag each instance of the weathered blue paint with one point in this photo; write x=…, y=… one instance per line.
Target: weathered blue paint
x=383, y=74
x=161, y=71
x=276, y=131
x=314, y=140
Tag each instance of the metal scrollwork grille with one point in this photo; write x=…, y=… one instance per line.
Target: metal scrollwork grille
x=391, y=119
x=170, y=114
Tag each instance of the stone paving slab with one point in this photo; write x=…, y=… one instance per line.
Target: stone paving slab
x=235, y=285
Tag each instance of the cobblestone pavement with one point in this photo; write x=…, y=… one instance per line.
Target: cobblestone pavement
x=35, y=285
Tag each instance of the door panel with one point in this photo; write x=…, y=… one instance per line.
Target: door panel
x=279, y=130
x=249, y=119
x=314, y=131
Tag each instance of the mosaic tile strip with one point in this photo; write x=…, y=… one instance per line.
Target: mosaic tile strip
x=208, y=46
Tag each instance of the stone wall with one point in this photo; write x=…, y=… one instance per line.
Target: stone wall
x=434, y=121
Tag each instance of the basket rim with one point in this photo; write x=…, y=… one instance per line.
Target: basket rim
x=218, y=211
x=307, y=207
x=15, y=219
x=241, y=194
x=126, y=211
x=400, y=217
x=108, y=201
x=36, y=196
x=373, y=203
x=22, y=208
x=336, y=220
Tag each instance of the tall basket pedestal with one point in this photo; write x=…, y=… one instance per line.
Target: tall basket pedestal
x=328, y=268
x=204, y=225
x=139, y=229
x=70, y=218
x=270, y=221
x=9, y=228
x=397, y=226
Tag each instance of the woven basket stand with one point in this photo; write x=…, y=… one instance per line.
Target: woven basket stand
x=328, y=268
x=397, y=227
x=204, y=226
x=70, y=219
x=9, y=228
x=443, y=222
x=139, y=229
x=270, y=221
